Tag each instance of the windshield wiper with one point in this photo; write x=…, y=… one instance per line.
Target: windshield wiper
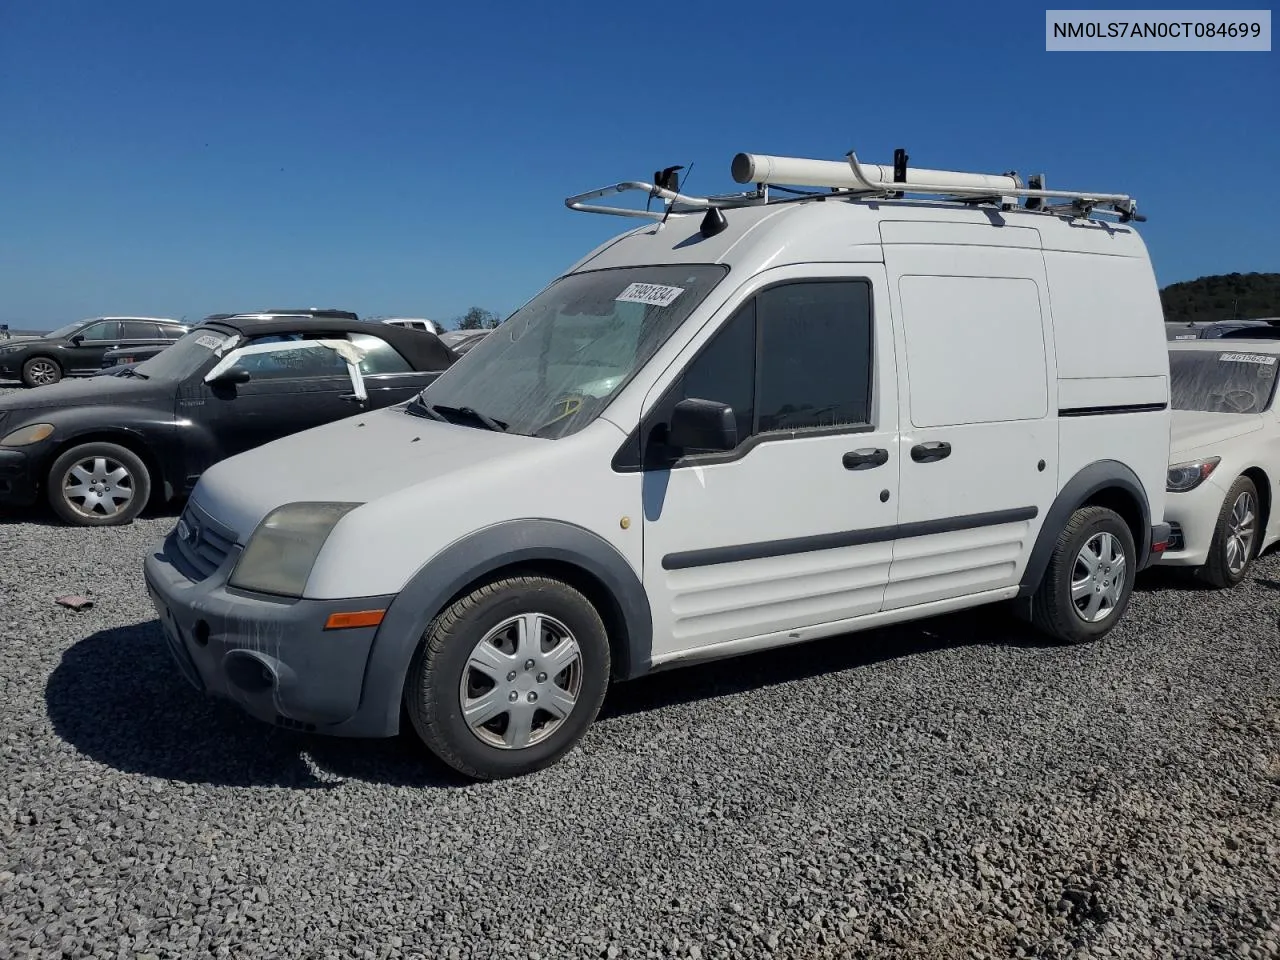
x=419, y=407
x=439, y=411
x=469, y=412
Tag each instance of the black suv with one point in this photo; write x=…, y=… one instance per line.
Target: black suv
x=78, y=348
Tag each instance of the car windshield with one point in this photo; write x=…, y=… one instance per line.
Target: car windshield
x=554, y=364
x=68, y=330
x=187, y=355
x=1222, y=381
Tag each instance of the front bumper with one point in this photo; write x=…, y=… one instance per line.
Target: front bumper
x=18, y=484
x=273, y=658
x=1194, y=515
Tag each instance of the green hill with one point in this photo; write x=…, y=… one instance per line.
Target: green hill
x=1227, y=296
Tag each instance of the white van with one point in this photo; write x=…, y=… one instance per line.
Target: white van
x=752, y=421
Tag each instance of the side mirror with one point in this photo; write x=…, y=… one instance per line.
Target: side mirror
x=77, y=339
x=232, y=375
x=702, y=425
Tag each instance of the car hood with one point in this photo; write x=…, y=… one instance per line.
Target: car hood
x=90, y=391
x=355, y=460
x=1192, y=430
x=25, y=338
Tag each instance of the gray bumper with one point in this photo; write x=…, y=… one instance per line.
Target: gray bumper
x=271, y=657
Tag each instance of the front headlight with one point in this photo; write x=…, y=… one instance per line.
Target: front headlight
x=24, y=436
x=15, y=348
x=282, y=550
x=1187, y=476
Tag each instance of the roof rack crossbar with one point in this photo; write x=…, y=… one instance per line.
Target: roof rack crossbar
x=856, y=179
x=677, y=202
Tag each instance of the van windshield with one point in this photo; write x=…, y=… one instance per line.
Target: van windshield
x=1222, y=381
x=553, y=365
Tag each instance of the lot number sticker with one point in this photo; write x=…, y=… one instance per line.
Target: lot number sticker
x=1261, y=358
x=211, y=343
x=651, y=293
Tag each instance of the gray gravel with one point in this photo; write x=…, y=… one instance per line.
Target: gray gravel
x=949, y=789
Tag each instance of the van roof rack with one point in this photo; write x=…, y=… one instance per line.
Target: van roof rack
x=859, y=181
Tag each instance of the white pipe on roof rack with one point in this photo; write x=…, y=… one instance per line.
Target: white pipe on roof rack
x=800, y=172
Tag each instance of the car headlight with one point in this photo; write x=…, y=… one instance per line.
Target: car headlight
x=15, y=348
x=282, y=550
x=1187, y=476
x=24, y=436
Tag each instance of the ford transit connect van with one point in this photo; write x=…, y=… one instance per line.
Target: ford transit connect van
x=754, y=420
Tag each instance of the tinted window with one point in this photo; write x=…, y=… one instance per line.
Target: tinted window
x=138, y=330
x=284, y=363
x=795, y=356
x=103, y=330
x=380, y=356
x=815, y=355
x=726, y=370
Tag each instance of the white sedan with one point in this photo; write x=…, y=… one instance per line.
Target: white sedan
x=1225, y=455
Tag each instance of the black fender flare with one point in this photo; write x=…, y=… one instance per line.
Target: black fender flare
x=474, y=557
x=1089, y=481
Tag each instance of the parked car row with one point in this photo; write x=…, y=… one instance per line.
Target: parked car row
x=758, y=423
x=101, y=449
x=1207, y=330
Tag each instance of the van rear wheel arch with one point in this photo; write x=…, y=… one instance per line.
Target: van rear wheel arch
x=1104, y=483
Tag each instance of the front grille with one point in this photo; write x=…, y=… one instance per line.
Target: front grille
x=1175, y=537
x=202, y=542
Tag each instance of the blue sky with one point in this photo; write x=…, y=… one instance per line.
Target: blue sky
x=412, y=158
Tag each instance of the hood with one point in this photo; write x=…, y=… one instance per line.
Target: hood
x=89, y=391
x=355, y=460
x=24, y=338
x=1192, y=429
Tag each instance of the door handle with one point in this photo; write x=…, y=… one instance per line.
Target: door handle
x=929, y=452
x=865, y=459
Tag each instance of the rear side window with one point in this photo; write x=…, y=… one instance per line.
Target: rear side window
x=379, y=356
x=137, y=330
x=292, y=364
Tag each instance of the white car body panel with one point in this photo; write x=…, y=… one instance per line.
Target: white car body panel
x=1245, y=442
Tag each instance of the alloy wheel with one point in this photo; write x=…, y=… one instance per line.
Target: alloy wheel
x=1098, y=576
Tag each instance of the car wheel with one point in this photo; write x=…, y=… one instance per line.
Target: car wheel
x=98, y=485
x=1235, y=538
x=41, y=372
x=1089, y=580
x=508, y=678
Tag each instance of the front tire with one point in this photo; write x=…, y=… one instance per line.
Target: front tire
x=1089, y=580
x=41, y=372
x=1235, y=537
x=509, y=677
x=98, y=485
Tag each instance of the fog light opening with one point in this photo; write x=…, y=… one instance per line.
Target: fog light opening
x=200, y=633
x=250, y=674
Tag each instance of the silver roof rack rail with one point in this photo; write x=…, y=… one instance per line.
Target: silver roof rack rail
x=856, y=179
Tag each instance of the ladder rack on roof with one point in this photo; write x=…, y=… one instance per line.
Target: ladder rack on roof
x=862, y=181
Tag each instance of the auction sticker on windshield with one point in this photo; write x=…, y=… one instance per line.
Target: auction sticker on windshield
x=651, y=293
x=1262, y=358
x=211, y=343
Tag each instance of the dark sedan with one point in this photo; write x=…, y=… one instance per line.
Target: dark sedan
x=78, y=348
x=101, y=449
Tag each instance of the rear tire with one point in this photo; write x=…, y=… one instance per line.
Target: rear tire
x=1235, y=537
x=41, y=372
x=508, y=678
x=98, y=485
x=1089, y=580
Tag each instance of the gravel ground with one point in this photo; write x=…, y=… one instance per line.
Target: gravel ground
x=948, y=789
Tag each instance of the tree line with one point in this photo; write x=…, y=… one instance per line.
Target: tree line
x=1227, y=296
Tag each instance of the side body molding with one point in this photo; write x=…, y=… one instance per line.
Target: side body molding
x=483, y=552
x=1096, y=477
